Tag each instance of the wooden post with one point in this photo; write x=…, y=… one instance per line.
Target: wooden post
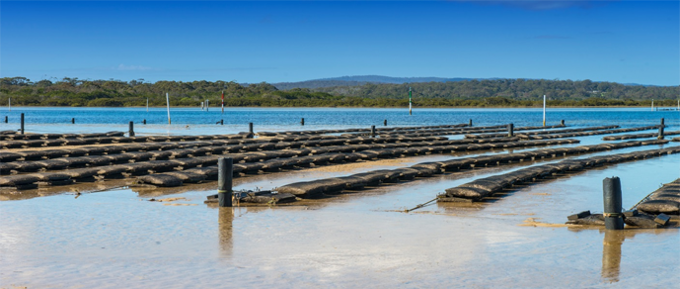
x=132, y=129
x=221, y=122
x=73, y=120
x=373, y=131
x=611, y=188
x=511, y=128
x=661, y=128
x=6, y=119
x=22, y=123
x=470, y=124
x=385, y=122
x=663, y=122
x=302, y=121
x=144, y=121
x=224, y=181
x=250, y=128
x=562, y=123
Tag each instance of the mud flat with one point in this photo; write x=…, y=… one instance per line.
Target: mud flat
x=107, y=233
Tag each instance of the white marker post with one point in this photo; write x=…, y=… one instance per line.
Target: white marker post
x=167, y=100
x=410, y=112
x=222, y=101
x=544, y=110
x=652, y=105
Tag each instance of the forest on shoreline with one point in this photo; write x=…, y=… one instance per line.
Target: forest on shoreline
x=468, y=93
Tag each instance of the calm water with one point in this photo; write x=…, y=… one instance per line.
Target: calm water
x=273, y=119
x=118, y=239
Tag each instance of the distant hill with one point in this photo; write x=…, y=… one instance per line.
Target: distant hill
x=358, y=80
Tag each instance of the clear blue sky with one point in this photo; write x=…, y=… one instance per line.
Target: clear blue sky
x=254, y=41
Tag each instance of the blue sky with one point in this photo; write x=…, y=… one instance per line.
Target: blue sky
x=254, y=41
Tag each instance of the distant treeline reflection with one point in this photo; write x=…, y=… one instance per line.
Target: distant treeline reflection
x=473, y=93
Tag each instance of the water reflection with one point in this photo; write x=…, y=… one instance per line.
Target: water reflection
x=225, y=226
x=611, y=248
x=611, y=254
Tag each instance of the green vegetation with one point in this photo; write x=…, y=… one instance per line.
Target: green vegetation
x=472, y=93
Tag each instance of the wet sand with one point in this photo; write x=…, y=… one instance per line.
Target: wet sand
x=120, y=239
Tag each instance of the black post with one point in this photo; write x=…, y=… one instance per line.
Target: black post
x=6, y=119
x=612, y=203
x=385, y=122
x=250, y=128
x=511, y=128
x=225, y=173
x=132, y=129
x=373, y=131
x=562, y=122
x=73, y=120
x=144, y=121
x=663, y=121
x=221, y=122
x=302, y=121
x=470, y=124
x=22, y=123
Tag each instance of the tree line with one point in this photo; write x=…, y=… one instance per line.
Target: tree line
x=472, y=93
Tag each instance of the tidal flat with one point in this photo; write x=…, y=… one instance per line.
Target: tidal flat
x=107, y=235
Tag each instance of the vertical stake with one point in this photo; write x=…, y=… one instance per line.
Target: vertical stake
x=132, y=129
x=544, y=110
x=302, y=121
x=511, y=128
x=22, y=123
x=470, y=124
x=250, y=129
x=562, y=122
x=73, y=120
x=373, y=131
x=224, y=181
x=611, y=188
x=167, y=100
x=410, y=112
x=144, y=121
x=385, y=122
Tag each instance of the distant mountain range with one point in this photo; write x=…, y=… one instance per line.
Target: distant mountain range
x=357, y=80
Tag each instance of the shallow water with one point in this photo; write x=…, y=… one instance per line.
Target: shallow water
x=194, y=121
x=119, y=239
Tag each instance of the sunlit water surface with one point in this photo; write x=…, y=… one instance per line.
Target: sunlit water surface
x=119, y=239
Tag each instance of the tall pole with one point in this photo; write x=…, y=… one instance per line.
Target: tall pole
x=222, y=101
x=652, y=105
x=410, y=94
x=167, y=100
x=544, y=110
